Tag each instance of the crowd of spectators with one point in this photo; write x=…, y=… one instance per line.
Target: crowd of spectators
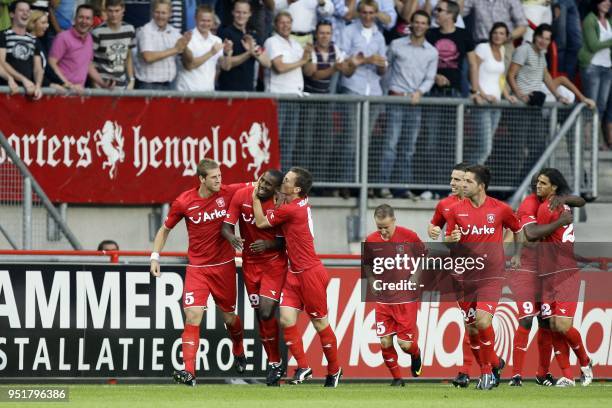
x=406, y=48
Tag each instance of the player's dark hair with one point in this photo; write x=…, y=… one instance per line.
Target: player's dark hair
x=482, y=173
x=303, y=180
x=497, y=25
x=277, y=175
x=206, y=164
x=461, y=166
x=556, y=179
x=421, y=13
x=13, y=6
x=383, y=211
x=539, y=31
x=102, y=244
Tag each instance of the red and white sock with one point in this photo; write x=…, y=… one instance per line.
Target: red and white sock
x=545, y=347
x=330, y=349
x=562, y=354
x=237, y=335
x=487, y=352
x=573, y=338
x=475, y=347
x=190, y=345
x=293, y=340
x=390, y=357
x=468, y=357
x=269, y=334
x=521, y=337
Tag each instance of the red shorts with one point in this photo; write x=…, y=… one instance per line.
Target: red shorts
x=218, y=281
x=307, y=291
x=399, y=319
x=525, y=287
x=265, y=279
x=560, y=294
x=480, y=295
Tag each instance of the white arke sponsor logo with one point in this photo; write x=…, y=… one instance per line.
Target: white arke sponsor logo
x=474, y=230
x=205, y=216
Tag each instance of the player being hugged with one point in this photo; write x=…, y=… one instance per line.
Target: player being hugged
x=478, y=224
x=558, y=271
x=396, y=315
x=307, y=280
x=211, y=269
x=264, y=262
x=526, y=286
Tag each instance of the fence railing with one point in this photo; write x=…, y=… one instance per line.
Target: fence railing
x=367, y=143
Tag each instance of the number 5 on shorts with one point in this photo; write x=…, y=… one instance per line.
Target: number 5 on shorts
x=189, y=298
x=380, y=328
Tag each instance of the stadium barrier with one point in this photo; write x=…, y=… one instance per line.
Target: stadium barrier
x=341, y=138
x=65, y=317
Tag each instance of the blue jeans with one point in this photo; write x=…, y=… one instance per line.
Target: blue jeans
x=568, y=36
x=403, y=124
x=596, y=82
x=486, y=121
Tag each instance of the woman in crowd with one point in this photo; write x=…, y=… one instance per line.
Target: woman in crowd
x=595, y=62
x=38, y=24
x=491, y=87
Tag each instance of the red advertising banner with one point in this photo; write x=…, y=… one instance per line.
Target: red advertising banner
x=440, y=334
x=133, y=150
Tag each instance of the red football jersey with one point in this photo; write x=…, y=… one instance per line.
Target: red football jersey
x=483, y=229
x=526, y=214
x=203, y=218
x=241, y=210
x=295, y=219
x=556, y=251
x=442, y=209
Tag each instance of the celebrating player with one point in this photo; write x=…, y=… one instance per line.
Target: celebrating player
x=397, y=318
x=434, y=230
x=526, y=286
x=559, y=275
x=211, y=269
x=264, y=263
x=478, y=222
x=306, y=284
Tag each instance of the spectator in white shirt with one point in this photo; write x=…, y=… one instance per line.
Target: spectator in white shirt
x=287, y=58
x=202, y=55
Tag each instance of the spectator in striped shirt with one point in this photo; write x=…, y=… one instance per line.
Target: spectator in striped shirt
x=20, y=52
x=113, y=43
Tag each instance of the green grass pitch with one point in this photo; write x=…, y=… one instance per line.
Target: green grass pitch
x=414, y=395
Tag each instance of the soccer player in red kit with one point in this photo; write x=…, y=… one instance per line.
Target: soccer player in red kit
x=479, y=222
x=434, y=230
x=559, y=275
x=525, y=285
x=264, y=263
x=211, y=269
x=307, y=280
x=397, y=318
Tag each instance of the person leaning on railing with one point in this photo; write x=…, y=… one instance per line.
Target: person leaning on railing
x=595, y=62
x=490, y=73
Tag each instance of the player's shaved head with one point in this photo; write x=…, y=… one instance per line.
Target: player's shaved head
x=205, y=165
x=383, y=211
x=277, y=175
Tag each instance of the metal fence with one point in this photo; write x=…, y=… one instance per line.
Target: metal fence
x=386, y=143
